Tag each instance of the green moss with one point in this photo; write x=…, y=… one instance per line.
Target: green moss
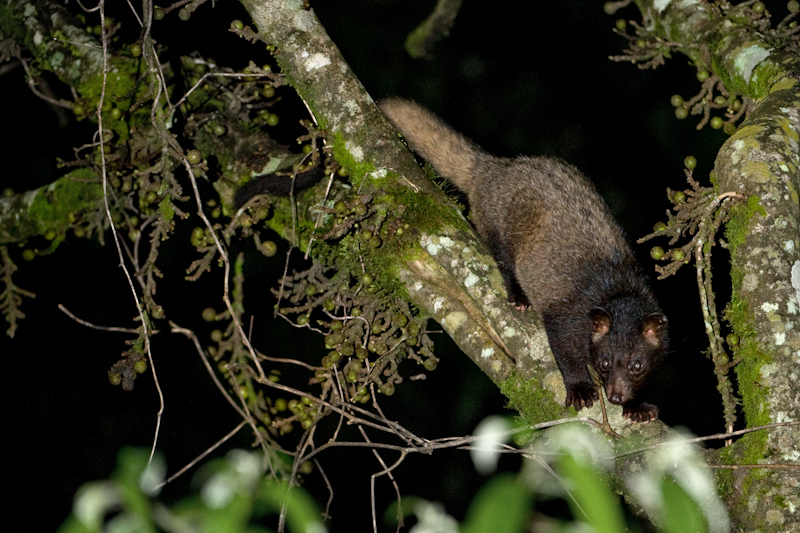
x=749, y=375
x=357, y=167
x=51, y=206
x=120, y=82
x=281, y=221
x=166, y=209
x=737, y=230
x=535, y=402
x=753, y=358
x=429, y=214
x=752, y=447
x=10, y=25
x=763, y=75
x=120, y=90
x=747, y=450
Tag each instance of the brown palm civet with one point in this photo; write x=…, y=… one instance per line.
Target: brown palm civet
x=559, y=250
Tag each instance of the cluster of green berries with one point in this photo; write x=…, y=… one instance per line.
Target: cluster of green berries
x=716, y=122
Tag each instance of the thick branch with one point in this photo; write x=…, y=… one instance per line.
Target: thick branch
x=760, y=161
x=54, y=207
x=55, y=38
x=465, y=296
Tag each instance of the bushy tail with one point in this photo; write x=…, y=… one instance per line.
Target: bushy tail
x=452, y=155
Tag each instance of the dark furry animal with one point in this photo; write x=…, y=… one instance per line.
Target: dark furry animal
x=561, y=251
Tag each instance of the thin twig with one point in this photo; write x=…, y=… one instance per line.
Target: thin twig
x=139, y=307
x=95, y=326
x=716, y=436
x=200, y=457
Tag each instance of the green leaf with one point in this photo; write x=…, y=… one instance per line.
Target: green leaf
x=131, y=463
x=502, y=505
x=681, y=512
x=593, y=500
x=302, y=513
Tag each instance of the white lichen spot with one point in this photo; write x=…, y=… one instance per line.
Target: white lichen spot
x=29, y=10
x=452, y=321
x=736, y=156
x=689, y=3
x=304, y=20
x=438, y=304
x=509, y=333
x=749, y=58
x=487, y=352
x=784, y=167
x=356, y=151
x=775, y=517
x=788, y=246
x=796, y=280
x=37, y=38
x=791, y=456
x=780, y=339
x=750, y=282
x=351, y=106
x=380, y=173
x=471, y=280
x=317, y=61
x=661, y=5
x=433, y=248
x=768, y=307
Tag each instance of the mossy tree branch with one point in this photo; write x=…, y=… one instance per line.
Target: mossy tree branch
x=466, y=298
x=760, y=161
x=446, y=271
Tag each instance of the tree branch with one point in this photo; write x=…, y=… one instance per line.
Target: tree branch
x=759, y=161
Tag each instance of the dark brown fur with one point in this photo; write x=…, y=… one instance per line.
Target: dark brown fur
x=561, y=251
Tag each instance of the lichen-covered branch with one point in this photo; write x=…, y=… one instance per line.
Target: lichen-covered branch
x=367, y=147
x=392, y=193
x=73, y=200
x=55, y=39
x=761, y=162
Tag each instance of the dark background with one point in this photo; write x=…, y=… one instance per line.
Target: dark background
x=518, y=77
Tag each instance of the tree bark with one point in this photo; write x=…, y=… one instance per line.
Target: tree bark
x=759, y=161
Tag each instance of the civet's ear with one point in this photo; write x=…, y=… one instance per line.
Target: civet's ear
x=653, y=328
x=601, y=323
